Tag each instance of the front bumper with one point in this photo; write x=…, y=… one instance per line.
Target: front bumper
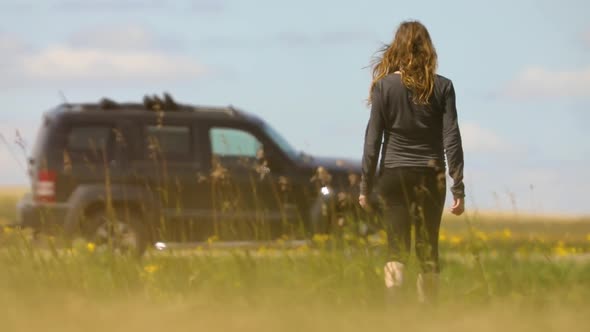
x=40, y=216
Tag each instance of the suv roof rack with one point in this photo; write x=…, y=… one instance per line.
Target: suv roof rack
x=156, y=104
x=107, y=104
x=153, y=103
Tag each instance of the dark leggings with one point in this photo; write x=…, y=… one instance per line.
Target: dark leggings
x=413, y=196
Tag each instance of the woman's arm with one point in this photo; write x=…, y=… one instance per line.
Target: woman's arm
x=373, y=140
x=452, y=144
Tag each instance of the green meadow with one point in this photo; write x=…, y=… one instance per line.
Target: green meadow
x=499, y=271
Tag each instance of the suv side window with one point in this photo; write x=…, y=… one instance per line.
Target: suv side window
x=229, y=142
x=168, y=142
x=89, y=143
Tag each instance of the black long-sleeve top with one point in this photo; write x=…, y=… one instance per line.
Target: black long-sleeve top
x=412, y=135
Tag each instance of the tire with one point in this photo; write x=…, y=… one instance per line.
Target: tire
x=121, y=231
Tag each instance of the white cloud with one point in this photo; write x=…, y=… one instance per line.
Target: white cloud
x=478, y=139
x=123, y=37
x=118, y=55
x=539, y=82
x=62, y=63
x=11, y=46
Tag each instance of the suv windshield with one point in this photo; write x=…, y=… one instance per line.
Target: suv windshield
x=281, y=141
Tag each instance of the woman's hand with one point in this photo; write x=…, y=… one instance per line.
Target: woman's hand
x=363, y=202
x=458, y=206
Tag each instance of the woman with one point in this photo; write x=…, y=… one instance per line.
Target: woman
x=413, y=123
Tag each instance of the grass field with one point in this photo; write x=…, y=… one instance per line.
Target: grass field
x=8, y=199
x=509, y=272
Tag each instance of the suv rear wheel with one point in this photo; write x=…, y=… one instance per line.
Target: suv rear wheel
x=320, y=218
x=120, y=231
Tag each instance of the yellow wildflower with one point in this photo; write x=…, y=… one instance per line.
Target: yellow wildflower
x=560, y=249
x=151, y=268
x=382, y=239
x=362, y=241
x=481, y=236
x=90, y=246
x=378, y=271
x=282, y=240
x=321, y=238
x=212, y=239
x=261, y=250
x=8, y=230
x=302, y=248
x=456, y=240
x=588, y=236
x=507, y=233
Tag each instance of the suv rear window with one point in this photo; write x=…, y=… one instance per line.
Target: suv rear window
x=168, y=142
x=88, y=138
x=89, y=142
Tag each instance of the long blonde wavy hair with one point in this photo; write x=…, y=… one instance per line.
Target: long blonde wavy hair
x=414, y=56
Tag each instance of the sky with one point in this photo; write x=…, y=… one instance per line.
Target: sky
x=521, y=71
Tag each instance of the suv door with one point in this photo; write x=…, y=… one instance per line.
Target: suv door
x=168, y=162
x=250, y=196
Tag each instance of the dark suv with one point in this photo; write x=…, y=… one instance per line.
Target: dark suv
x=135, y=173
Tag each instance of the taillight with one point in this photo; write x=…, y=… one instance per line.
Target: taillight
x=45, y=186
